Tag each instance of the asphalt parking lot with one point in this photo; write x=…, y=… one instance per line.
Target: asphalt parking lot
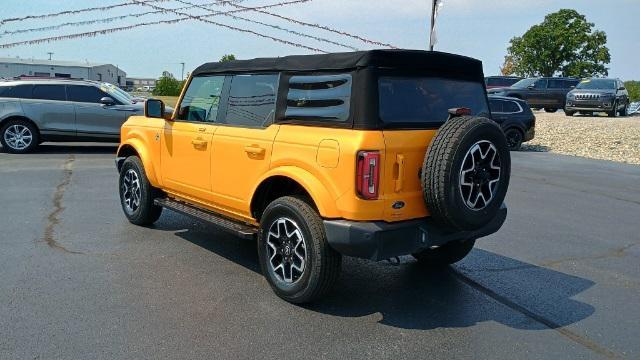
x=560, y=280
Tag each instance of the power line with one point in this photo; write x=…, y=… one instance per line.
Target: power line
x=273, y=26
x=129, y=27
x=201, y=18
x=323, y=27
x=72, y=12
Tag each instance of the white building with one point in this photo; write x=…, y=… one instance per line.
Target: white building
x=17, y=67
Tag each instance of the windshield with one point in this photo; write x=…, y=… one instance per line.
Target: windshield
x=423, y=102
x=597, y=84
x=117, y=93
x=524, y=83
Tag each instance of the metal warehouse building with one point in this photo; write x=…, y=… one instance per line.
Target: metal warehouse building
x=17, y=67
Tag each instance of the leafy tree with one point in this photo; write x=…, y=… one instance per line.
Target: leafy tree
x=564, y=43
x=508, y=67
x=227, y=57
x=167, y=85
x=633, y=87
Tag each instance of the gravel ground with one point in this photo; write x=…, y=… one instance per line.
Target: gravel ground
x=596, y=137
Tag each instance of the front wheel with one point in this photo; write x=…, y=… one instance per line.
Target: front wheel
x=614, y=111
x=550, y=110
x=446, y=254
x=19, y=137
x=137, y=194
x=623, y=112
x=294, y=254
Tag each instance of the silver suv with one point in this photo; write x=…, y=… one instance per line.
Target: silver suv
x=34, y=111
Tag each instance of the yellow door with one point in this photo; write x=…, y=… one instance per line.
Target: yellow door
x=243, y=142
x=186, y=158
x=186, y=140
x=240, y=157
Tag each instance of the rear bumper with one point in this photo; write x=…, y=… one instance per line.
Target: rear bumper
x=381, y=240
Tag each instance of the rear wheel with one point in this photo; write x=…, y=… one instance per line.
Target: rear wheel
x=137, y=194
x=19, y=136
x=446, y=254
x=514, y=139
x=466, y=173
x=550, y=110
x=294, y=254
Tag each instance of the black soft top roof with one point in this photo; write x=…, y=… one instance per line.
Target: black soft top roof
x=393, y=59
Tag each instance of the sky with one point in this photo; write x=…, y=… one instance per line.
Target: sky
x=477, y=28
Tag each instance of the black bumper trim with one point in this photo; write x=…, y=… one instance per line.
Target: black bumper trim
x=381, y=240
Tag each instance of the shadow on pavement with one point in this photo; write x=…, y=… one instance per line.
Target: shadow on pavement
x=410, y=296
x=73, y=148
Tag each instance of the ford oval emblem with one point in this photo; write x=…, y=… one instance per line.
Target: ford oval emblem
x=398, y=205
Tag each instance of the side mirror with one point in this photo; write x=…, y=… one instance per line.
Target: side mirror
x=154, y=108
x=107, y=101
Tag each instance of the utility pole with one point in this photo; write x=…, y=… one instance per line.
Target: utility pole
x=182, y=76
x=433, y=23
x=50, y=54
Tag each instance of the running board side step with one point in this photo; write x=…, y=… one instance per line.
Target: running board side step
x=238, y=229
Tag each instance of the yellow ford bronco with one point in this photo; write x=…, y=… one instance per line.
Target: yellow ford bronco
x=372, y=154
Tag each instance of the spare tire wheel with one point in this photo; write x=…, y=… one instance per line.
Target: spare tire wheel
x=465, y=174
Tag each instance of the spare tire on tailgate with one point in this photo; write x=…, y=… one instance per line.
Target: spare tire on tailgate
x=466, y=172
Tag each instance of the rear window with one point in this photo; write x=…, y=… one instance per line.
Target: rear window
x=501, y=81
x=424, y=101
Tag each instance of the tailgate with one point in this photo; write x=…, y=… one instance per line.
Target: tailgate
x=404, y=154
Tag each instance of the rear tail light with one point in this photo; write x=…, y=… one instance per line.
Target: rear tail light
x=367, y=177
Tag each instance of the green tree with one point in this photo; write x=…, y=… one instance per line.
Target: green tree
x=227, y=57
x=633, y=87
x=565, y=43
x=167, y=85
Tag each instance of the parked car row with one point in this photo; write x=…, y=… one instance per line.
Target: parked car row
x=573, y=95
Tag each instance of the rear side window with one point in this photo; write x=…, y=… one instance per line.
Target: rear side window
x=510, y=107
x=419, y=102
x=252, y=100
x=557, y=84
x=319, y=97
x=495, y=105
x=49, y=92
x=87, y=94
x=18, y=91
x=201, y=101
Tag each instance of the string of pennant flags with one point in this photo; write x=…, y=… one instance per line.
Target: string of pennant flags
x=184, y=16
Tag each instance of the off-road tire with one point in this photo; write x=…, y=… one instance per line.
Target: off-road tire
x=33, y=130
x=442, y=168
x=147, y=212
x=623, y=112
x=514, y=138
x=323, y=264
x=446, y=254
x=613, y=113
